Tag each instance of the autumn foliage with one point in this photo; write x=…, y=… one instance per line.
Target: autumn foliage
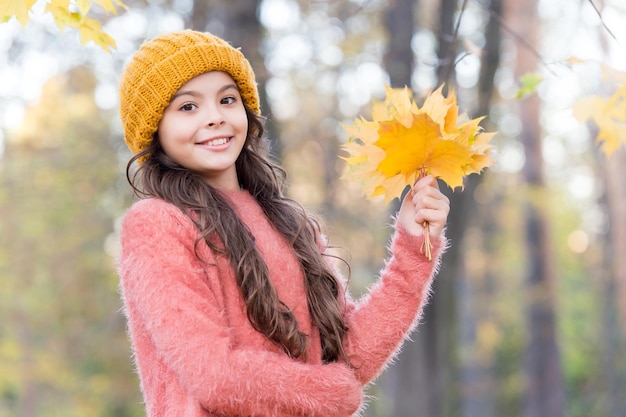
x=67, y=13
x=609, y=115
x=404, y=141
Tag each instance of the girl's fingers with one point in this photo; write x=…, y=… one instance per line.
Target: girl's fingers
x=425, y=181
x=430, y=205
x=425, y=203
x=427, y=194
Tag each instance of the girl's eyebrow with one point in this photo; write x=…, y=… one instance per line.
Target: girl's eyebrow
x=196, y=94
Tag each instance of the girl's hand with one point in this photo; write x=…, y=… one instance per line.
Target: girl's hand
x=348, y=390
x=424, y=203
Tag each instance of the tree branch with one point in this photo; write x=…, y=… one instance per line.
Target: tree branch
x=609, y=31
x=517, y=37
x=450, y=61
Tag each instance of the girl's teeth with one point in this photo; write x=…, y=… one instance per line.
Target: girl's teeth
x=218, y=142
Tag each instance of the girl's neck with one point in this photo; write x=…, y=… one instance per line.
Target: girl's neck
x=233, y=193
x=226, y=184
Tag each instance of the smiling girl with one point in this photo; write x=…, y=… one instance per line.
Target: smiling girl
x=233, y=307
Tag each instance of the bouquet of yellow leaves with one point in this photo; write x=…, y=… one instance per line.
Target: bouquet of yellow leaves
x=404, y=141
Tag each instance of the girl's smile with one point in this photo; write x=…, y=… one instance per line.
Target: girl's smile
x=217, y=142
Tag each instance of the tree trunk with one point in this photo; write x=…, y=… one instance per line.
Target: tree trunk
x=446, y=53
x=398, y=58
x=476, y=369
x=544, y=380
x=614, y=305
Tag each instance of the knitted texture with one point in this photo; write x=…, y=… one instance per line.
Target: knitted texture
x=197, y=353
x=164, y=64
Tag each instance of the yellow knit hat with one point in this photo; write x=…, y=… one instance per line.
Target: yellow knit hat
x=164, y=64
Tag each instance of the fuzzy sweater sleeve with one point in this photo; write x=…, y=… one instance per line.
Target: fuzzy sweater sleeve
x=380, y=322
x=161, y=283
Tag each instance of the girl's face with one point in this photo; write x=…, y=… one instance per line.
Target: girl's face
x=204, y=128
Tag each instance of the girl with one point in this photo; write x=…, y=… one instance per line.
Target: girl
x=233, y=309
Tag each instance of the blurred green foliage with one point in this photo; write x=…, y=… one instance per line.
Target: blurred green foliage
x=63, y=348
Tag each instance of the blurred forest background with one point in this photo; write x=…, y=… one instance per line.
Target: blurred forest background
x=528, y=316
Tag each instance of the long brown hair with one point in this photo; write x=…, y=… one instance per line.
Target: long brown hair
x=160, y=176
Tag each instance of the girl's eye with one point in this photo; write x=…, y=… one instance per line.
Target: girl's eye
x=188, y=107
x=228, y=100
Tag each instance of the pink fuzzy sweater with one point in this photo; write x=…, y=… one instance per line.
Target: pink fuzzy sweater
x=195, y=350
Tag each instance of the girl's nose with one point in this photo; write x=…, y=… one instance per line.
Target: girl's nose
x=214, y=117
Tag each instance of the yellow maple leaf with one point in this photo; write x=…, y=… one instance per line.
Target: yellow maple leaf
x=64, y=16
x=90, y=30
x=83, y=6
x=59, y=9
x=397, y=106
x=17, y=8
x=403, y=141
x=109, y=6
x=365, y=130
x=441, y=109
x=609, y=114
x=480, y=150
x=410, y=151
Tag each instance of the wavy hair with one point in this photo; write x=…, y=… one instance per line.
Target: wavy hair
x=160, y=176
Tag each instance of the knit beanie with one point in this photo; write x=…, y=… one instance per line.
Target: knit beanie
x=164, y=64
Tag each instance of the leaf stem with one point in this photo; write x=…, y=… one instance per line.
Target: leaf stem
x=427, y=247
